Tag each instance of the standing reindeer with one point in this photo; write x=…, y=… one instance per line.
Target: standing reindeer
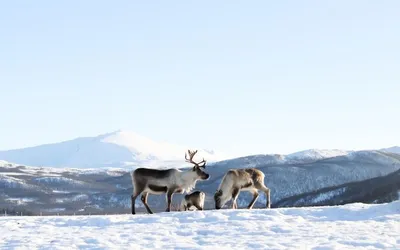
x=147, y=181
x=236, y=180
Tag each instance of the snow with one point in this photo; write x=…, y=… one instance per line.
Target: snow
x=14, y=173
x=316, y=154
x=11, y=182
x=353, y=226
x=126, y=149
x=60, y=192
x=20, y=201
x=328, y=195
x=129, y=150
x=5, y=164
x=146, y=148
x=55, y=210
x=78, y=197
x=62, y=180
x=116, y=149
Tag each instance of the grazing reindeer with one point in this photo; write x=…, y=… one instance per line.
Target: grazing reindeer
x=147, y=181
x=195, y=199
x=236, y=180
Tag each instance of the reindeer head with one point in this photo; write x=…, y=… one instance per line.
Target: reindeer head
x=198, y=166
x=220, y=198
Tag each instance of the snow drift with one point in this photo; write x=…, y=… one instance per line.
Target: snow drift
x=352, y=226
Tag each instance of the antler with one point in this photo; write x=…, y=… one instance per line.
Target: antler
x=190, y=160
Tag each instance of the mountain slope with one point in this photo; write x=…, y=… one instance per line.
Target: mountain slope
x=375, y=190
x=315, y=154
x=117, y=149
x=395, y=150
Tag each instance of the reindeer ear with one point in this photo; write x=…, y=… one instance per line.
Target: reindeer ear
x=194, y=168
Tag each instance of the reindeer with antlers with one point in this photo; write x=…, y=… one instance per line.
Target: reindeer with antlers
x=147, y=181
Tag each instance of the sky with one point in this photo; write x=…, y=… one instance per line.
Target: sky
x=241, y=77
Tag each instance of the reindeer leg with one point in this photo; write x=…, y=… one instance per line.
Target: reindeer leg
x=198, y=206
x=138, y=188
x=255, y=196
x=169, y=200
x=267, y=192
x=133, y=198
x=136, y=193
x=235, y=194
x=144, y=200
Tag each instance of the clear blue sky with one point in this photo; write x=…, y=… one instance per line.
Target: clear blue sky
x=237, y=76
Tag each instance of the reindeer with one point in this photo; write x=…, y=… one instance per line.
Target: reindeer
x=195, y=199
x=147, y=181
x=236, y=180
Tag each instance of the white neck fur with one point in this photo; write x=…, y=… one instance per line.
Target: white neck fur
x=188, y=180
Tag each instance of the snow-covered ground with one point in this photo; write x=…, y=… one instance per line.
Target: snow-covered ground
x=353, y=226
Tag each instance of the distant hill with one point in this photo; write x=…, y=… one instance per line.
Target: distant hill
x=394, y=149
x=117, y=149
x=125, y=149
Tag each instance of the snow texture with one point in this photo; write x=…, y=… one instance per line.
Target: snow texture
x=328, y=195
x=353, y=226
x=315, y=154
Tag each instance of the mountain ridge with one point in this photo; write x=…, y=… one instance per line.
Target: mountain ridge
x=116, y=149
x=127, y=149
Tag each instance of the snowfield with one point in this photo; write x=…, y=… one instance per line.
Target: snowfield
x=353, y=226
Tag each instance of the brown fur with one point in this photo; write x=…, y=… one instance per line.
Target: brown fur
x=195, y=199
x=236, y=180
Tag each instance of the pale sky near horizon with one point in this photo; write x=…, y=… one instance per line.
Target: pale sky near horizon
x=236, y=76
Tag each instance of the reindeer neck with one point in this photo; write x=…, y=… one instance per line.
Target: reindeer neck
x=188, y=180
x=189, y=175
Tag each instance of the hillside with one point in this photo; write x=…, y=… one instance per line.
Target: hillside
x=353, y=226
x=68, y=191
x=375, y=190
x=395, y=150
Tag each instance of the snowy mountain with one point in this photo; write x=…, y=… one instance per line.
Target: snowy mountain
x=315, y=154
x=125, y=149
x=117, y=149
x=395, y=150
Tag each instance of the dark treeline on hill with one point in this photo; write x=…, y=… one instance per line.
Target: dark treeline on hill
x=368, y=176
